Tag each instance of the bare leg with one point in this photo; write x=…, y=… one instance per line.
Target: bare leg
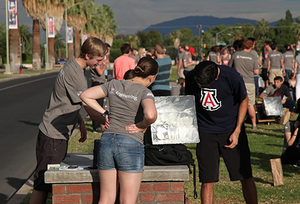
x=129, y=186
x=38, y=197
x=207, y=193
x=249, y=191
x=108, y=186
x=251, y=112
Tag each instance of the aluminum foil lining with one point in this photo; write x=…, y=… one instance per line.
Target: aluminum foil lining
x=176, y=122
x=273, y=106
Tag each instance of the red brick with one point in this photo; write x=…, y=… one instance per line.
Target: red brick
x=161, y=187
x=178, y=186
x=66, y=199
x=147, y=197
x=90, y=198
x=170, y=197
x=80, y=188
x=146, y=187
x=58, y=189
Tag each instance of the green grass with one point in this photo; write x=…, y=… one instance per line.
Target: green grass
x=265, y=144
x=24, y=72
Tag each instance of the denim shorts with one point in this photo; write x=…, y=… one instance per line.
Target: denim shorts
x=120, y=152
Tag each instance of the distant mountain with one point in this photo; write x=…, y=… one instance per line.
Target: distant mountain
x=191, y=22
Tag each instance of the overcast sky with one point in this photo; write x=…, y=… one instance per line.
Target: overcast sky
x=133, y=15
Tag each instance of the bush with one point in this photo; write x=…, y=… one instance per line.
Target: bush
x=26, y=58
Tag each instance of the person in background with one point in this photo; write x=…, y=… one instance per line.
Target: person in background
x=275, y=62
x=289, y=61
x=225, y=57
x=264, y=71
x=214, y=55
x=291, y=146
x=123, y=63
x=62, y=114
x=221, y=103
x=161, y=86
x=134, y=55
x=151, y=53
x=180, y=61
x=188, y=62
x=297, y=77
x=121, y=150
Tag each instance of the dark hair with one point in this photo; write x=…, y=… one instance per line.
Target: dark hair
x=125, y=48
x=181, y=80
x=238, y=44
x=146, y=67
x=216, y=49
x=205, y=73
x=129, y=74
x=268, y=42
x=273, y=46
x=107, y=45
x=278, y=78
x=252, y=39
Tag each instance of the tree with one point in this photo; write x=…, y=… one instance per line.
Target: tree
x=2, y=42
x=288, y=16
x=284, y=34
x=149, y=40
x=58, y=44
x=25, y=37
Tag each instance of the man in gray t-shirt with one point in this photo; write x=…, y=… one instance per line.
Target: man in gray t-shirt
x=246, y=64
x=289, y=61
x=275, y=61
x=180, y=61
x=62, y=114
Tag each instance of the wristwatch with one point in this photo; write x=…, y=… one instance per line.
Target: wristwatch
x=104, y=114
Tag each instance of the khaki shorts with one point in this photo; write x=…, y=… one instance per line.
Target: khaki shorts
x=181, y=73
x=274, y=73
x=251, y=93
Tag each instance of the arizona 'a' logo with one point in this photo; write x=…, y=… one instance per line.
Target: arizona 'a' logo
x=209, y=99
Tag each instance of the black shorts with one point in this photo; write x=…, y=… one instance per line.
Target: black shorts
x=48, y=151
x=237, y=160
x=264, y=74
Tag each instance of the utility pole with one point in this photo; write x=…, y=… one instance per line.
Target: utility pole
x=199, y=53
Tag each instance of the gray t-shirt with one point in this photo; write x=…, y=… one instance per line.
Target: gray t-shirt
x=96, y=76
x=275, y=57
x=212, y=56
x=244, y=63
x=265, y=58
x=125, y=107
x=62, y=111
x=181, y=55
x=288, y=58
x=188, y=60
x=270, y=90
x=298, y=62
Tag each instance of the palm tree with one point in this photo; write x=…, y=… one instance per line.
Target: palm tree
x=262, y=28
x=77, y=17
x=54, y=8
x=36, y=11
x=25, y=36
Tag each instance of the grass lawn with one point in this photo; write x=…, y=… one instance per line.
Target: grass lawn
x=265, y=144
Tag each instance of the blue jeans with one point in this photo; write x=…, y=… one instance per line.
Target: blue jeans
x=289, y=104
x=120, y=152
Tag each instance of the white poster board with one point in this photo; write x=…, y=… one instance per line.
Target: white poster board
x=176, y=122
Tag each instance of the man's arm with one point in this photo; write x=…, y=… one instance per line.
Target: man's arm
x=234, y=137
x=82, y=129
x=179, y=65
x=282, y=66
x=262, y=95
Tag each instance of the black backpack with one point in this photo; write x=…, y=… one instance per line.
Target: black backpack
x=171, y=154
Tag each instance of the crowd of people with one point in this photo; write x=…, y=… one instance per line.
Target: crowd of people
x=224, y=90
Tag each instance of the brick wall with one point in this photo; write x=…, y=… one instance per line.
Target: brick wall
x=150, y=192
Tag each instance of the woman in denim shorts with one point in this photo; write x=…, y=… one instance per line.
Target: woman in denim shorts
x=121, y=150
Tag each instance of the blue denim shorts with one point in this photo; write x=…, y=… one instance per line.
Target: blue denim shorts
x=120, y=152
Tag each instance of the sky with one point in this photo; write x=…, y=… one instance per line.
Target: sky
x=134, y=15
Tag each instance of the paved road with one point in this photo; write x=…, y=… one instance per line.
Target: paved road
x=22, y=104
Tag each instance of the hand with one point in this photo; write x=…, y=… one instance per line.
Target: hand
x=83, y=133
x=234, y=140
x=106, y=125
x=134, y=129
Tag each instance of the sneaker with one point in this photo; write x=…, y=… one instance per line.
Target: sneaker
x=254, y=128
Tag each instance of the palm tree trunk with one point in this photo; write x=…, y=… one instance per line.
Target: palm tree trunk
x=77, y=43
x=51, y=53
x=71, y=51
x=36, y=47
x=14, y=48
